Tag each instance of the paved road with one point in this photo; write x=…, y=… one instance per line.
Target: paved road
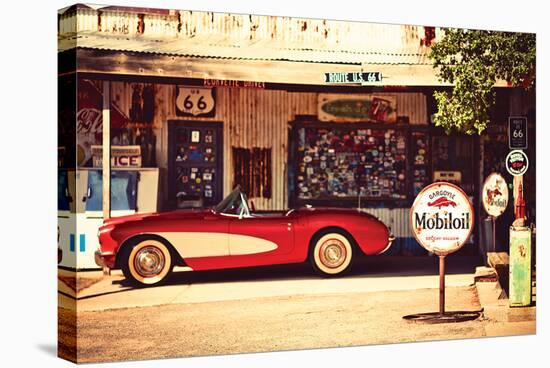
x=368, y=275
x=276, y=308
x=266, y=324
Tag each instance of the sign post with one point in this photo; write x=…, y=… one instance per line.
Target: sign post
x=442, y=220
x=441, y=285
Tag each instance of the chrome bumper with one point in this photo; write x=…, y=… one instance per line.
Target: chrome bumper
x=100, y=257
x=391, y=238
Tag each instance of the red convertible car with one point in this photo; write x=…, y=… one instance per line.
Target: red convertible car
x=147, y=246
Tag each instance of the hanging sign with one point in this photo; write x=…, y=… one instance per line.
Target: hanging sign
x=517, y=132
x=495, y=195
x=355, y=108
x=353, y=77
x=89, y=119
x=195, y=101
x=517, y=163
x=442, y=218
x=121, y=156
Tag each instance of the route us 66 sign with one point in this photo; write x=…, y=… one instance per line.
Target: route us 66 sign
x=442, y=218
x=517, y=132
x=195, y=101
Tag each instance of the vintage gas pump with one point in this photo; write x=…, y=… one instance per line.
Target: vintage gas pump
x=520, y=277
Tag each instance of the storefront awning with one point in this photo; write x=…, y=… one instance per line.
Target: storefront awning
x=204, y=45
x=261, y=61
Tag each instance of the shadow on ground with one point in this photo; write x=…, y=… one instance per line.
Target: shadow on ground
x=49, y=349
x=372, y=267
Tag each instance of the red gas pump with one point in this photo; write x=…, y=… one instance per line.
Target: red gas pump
x=520, y=205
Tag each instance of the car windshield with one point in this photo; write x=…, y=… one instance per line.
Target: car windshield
x=234, y=204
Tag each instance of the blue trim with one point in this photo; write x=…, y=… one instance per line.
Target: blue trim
x=71, y=242
x=82, y=242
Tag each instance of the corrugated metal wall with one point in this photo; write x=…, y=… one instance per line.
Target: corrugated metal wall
x=396, y=218
x=251, y=118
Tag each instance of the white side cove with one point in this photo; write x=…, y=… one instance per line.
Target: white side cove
x=204, y=244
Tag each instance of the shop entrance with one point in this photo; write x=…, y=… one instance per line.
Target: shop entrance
x=195, y=167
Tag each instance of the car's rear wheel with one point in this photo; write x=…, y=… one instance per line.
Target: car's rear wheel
x=331, y=253
x=148, y=262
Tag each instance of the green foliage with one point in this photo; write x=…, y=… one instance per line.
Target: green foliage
x=473, y=61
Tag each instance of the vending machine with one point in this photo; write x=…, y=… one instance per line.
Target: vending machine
x=80, y=196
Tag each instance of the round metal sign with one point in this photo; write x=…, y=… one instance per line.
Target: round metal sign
x=442, y=218
x=495, y=195
x=517, y=162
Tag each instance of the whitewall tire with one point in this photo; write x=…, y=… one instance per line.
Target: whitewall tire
x=147, y=263
x=331, y=254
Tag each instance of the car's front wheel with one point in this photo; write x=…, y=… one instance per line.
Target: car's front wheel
x=331, y=253
x=147, y=263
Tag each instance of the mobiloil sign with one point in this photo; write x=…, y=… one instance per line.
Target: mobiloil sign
x=442, y=218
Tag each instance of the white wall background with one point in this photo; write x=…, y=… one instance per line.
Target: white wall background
x=28, y=181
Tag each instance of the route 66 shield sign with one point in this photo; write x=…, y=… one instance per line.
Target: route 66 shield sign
x=195, y=101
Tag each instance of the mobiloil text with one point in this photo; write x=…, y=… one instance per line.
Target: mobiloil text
x=447, y=221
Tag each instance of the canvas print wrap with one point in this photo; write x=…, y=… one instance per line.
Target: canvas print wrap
x=249, y=183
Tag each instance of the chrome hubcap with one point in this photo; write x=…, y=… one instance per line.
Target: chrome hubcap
x=332, y=253
x=149, y=261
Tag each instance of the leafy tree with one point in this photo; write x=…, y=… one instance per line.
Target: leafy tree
x=472, y=61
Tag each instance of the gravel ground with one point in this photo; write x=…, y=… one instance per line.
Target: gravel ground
x=264, y=324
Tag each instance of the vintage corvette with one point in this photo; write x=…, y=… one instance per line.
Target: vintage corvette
x=147, y=246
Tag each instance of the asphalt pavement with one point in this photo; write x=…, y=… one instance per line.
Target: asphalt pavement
x=369, y=274
x=277, y=308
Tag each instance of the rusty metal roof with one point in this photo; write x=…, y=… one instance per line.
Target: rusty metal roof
x=240, y=36
x=211, y=47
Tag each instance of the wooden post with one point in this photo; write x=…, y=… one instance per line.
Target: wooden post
x=106, y=150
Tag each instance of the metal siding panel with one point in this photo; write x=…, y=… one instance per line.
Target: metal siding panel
x=396, y=218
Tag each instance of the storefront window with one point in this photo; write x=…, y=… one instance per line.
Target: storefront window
x=351, y=161
x=195, y=163
x=123, y=190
